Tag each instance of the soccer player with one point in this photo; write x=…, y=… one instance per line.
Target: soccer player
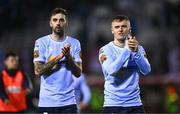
x=14, y=85
x=56, y=60
x=122, y=60
x=82, y=92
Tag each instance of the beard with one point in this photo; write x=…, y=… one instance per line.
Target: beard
x=59, y=31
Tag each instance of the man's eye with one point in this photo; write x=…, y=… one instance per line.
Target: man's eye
x=124, y=26
x=62, y=20
x=54, y=20
x=116, y=27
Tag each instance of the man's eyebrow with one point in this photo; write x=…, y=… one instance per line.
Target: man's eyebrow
x=116, y=26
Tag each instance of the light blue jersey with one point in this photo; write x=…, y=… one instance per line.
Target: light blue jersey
x=56, y=88
x=121, y=69
x=82, y=90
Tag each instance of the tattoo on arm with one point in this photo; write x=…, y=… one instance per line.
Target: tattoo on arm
x=41, y=68
x=76, y=68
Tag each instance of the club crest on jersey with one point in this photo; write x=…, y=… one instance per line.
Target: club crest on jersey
x=103, y=58
x=36, y=53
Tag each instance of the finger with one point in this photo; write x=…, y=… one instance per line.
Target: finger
x=135, y=44
x=132, y=42
x=132, y=46
x=133, y=39
x=66, y=49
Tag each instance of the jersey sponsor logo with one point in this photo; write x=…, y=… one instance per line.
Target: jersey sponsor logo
x=36, y=53
x=103, y=58
x=51, y=58
x=13, y=89
x=56, y=66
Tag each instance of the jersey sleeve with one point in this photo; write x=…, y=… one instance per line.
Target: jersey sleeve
x=142, y=61
x=77, y=53
x=110, y=64
x=39, y=51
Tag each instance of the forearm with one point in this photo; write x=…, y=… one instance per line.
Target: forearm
x=41, y=68
x=75, y=68
x=114, y=66
x=142, y=63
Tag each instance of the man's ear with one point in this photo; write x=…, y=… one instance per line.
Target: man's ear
x=112, y=31
x=50, y=23
x=129, y=31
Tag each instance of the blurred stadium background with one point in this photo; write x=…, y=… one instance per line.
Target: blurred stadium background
x=155, y=23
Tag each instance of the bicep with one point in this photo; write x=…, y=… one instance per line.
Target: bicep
x=39, y=51
x=77, y=53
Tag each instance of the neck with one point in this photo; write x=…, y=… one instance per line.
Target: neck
x=57, y=37
x=119, y=43
x=11, y=72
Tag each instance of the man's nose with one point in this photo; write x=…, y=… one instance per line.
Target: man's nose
x=120, y=29
x=58, y=24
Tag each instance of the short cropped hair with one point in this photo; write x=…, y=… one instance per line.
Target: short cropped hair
x=59, y=10
x=10, y=54
x=120, y=18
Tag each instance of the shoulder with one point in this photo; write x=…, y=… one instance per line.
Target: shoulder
x=73, y=40
x=43, y=39
x=140, y=47
x=105, y=48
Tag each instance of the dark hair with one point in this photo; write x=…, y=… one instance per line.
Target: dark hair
x=120, y=18
x=10, y=54
x=59, y=10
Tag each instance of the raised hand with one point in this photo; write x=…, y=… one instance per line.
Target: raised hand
x=66, y=50
x=132, y=43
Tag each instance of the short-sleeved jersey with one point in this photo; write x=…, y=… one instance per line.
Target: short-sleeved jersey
x=56, y=88
x=121, y=88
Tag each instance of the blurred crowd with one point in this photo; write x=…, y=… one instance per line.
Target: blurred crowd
x=155, y=23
